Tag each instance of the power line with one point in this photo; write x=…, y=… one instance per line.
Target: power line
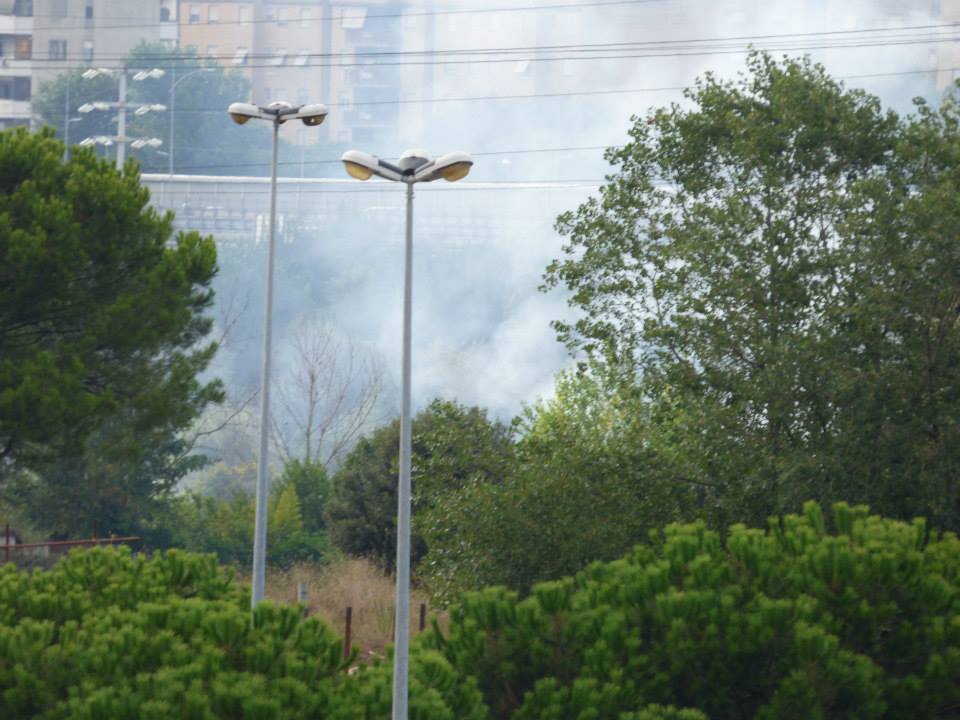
x=848, y=35
x=561, y=94
x=531, y=96
x=843, y=38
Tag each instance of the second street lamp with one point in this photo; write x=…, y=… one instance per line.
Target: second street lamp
x=276, y=113
x=414, y=166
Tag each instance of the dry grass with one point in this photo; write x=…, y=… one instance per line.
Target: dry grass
x=350, y=582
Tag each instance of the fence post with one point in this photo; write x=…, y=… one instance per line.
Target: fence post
x=423, y=616
x=303, y=594
x=346, y=632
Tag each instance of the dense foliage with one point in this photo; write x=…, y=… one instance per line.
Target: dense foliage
x=107, y=636
x=102, y=338
x=580, y=486
x=452, y=445
x=224, y=524
x=855, y=618
x=852, y=617
x=772, y=268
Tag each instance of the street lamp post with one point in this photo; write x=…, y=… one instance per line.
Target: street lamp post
x=173, y=108
x=414, y=166
x=276, y=113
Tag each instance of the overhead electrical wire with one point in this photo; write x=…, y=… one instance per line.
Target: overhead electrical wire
x=561, y=94
x=835, y=39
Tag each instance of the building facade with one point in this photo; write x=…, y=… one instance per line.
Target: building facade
x=40, y=39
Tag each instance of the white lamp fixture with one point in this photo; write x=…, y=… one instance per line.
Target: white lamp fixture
x=414, y=166
x=278, y=112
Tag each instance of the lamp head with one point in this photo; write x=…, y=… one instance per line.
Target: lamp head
x=312, y=115
x=453, y=166
x=241, y=112
x=359, y=165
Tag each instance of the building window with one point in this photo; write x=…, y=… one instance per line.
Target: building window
x=57, y=50
x=305, y=17
x=168, y=12
x=302, y=57
x=353, y=18
x=282, y=16
x=23, y=8
x=279, y=57
x=212, y=51
x=246, y=13
x=88, y=12
x=23, y=49
x=194, y=14
x=213, y=14
x=88, y=50
x=58, y=8
x=14, y=88
x=240, y=57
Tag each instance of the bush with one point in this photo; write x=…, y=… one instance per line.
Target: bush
x=858, y=621
x=107, y=636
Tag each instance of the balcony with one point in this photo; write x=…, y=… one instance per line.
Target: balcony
x=15, y=25
x=18, y=110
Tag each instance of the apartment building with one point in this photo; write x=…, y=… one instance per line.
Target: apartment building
x=39, y=39
x=16, y=66
x=76, y=33
x=302, y=51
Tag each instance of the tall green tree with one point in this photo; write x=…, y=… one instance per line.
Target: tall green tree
x=741, y=270
x=102, y=326
x=584, y=484
x=452, y=445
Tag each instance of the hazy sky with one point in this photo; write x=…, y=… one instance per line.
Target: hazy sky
x=481, y=328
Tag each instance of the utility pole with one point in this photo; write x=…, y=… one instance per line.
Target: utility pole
x=66, y=121
x=122, y=119
x=121, y=106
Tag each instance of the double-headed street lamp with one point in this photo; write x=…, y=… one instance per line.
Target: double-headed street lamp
x=414, y=166
x=276, y=113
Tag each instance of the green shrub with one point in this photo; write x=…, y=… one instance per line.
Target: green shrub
x=802, y=621
x=861, y=620
x=108, y=636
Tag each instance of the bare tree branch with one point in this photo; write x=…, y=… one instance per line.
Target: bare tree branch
x=326, y=396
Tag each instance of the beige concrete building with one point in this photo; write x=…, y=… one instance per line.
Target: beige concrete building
x=302, y=51
x=76, y=33
x=948, y=55
x=16, y=63
x=39, y=39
